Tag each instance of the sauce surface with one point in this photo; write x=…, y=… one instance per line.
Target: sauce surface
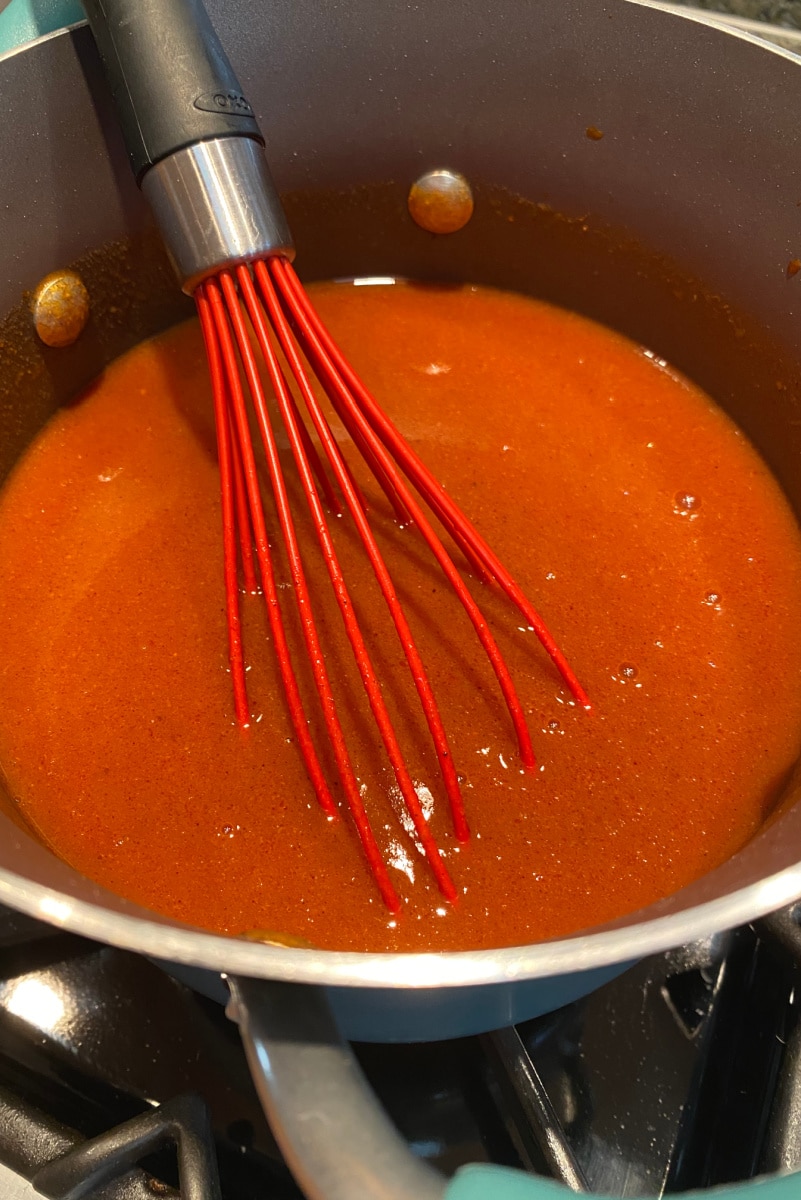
x=637, y=518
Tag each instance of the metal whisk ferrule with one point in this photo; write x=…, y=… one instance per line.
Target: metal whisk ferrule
x=217, y=207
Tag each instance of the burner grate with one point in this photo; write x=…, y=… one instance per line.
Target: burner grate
x=681, y=1073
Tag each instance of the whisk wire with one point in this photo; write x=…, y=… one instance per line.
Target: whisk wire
x=341, y=399
x=302, y=596
x=242, y=515
x=332, y=499
x=360, y=652
x=220, y=328
x=335, y=371
x=334, y=456
x=229, y=514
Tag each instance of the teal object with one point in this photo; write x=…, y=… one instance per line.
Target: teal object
x=484, y=1182
x=23, y=20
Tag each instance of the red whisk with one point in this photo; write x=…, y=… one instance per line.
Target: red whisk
x=199, y=159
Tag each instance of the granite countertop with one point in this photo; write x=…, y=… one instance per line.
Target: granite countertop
x=778, y=21
x=779, y=12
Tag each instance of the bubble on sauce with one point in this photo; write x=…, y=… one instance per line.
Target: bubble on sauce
x=686, y=504
x=627, y=671
x=712, y=600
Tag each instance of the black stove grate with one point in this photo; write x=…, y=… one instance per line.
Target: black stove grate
x=681, y=1073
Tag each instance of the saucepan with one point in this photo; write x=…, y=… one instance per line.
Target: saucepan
x=678, y=226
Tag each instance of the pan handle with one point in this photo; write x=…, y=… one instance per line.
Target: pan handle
x=336, y=1138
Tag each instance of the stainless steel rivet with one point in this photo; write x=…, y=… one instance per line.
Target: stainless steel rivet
x=60, y=306
x=441, y=201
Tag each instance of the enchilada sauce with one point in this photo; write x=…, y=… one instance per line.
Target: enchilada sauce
x=636, y=516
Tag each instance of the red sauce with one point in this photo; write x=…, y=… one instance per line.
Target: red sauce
x=654, y=540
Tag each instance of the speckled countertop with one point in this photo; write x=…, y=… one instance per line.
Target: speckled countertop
x=778, y=21
x=779, y=12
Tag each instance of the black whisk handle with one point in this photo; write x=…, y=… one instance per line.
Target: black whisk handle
x=172, y=83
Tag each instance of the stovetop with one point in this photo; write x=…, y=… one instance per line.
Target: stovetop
x=681, y=1073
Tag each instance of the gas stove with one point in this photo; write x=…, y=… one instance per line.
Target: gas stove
x=684, y=1072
